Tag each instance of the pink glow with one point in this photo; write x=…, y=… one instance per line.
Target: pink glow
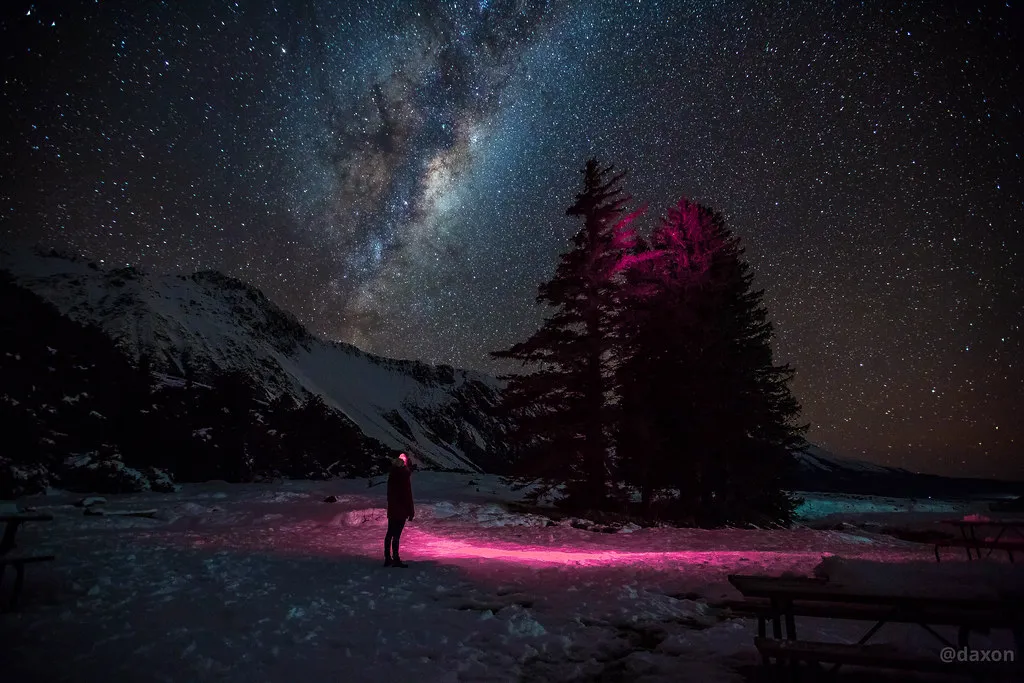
x=456, y=548
x=404, y=458
x=345, y=533
x=438, y=547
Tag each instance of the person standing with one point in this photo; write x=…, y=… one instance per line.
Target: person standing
x=400, y=508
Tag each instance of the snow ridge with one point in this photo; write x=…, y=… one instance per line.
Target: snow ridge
x=207, y=322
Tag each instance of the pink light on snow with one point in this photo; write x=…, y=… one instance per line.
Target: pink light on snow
x=439, y=547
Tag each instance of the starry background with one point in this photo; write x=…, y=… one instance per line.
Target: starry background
x=396, y=173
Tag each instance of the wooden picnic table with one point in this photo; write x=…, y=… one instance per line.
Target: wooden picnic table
x=788, y=598
x=962, y=610
x=8, y=556
x=13, y=521
x=822, y=590
x=970, y=540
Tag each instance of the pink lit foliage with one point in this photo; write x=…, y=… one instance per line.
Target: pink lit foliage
x=624, y=242
x=680, y=253
x=688, y=234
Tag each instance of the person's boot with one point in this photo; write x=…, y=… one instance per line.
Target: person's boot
x=398, y=563
x=388, y=561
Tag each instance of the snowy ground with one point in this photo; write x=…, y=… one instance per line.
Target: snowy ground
x=269, y=583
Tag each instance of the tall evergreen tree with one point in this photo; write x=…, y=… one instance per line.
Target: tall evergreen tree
x=229, y=408
x=636, y=447
x=704, y=408
x=562, y=406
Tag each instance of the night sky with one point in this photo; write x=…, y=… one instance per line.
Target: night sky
x=396, y=174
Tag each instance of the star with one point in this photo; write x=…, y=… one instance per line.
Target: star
x=396, y=174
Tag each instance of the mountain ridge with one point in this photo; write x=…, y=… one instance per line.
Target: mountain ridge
x=817, y=469
x=209, y=321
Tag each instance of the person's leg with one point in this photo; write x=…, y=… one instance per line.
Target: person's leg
x=397, y=534
x=389, y=539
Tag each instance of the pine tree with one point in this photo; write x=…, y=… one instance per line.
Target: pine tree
x=636, y=447
x=561, y=408
x=704, y=407
x=234, y=397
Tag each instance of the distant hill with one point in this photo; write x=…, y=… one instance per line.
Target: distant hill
x=819, y=470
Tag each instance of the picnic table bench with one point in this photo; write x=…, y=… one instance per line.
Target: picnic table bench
x=970, y=541
x=781, y=600
x=9, y=556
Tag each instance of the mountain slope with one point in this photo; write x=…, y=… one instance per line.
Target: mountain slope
x=819, y=470
x=817, y=459
x=207, y=321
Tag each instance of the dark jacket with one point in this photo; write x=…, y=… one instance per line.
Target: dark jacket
x=400, y=493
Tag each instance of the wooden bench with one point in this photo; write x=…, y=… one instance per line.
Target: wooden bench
x=966, y=620
x=878, y=656
x=971, y=540
x=12, y=522
x=763, y=610
x=18, y=561
x=978, y=544
x=781, y=600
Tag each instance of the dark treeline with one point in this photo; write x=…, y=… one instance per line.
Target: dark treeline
x=79, y=415
x=653, y=375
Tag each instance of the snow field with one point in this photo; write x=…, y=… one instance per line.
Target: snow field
x=267, y=582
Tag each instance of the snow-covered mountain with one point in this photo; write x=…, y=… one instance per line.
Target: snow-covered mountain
x=819, y=470
x=814, y=458
x=208, y=321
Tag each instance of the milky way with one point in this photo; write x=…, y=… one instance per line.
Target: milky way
x=396, y=173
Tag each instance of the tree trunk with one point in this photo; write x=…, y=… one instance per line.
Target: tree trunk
x=595, y=459
x=645, y=497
